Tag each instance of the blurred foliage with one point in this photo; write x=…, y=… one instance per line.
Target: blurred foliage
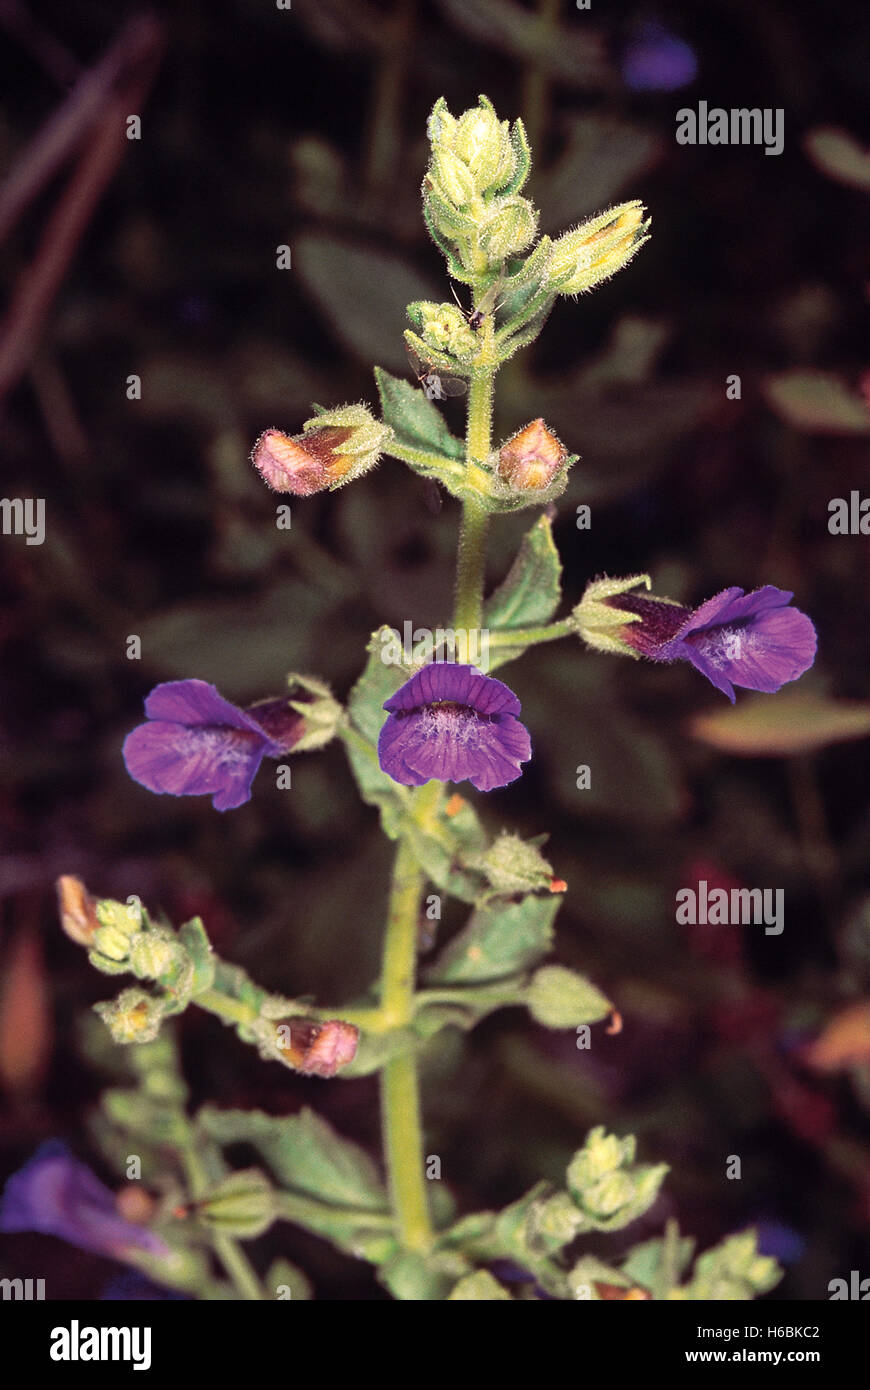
x=305, y=128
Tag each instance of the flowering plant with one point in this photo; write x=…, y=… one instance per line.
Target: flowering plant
x=413, y=723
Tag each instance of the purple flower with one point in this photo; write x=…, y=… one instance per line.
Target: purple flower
x=752, y=640
x=196, y=742
x=59, y=1196
x=452, y=723
x=657, y=61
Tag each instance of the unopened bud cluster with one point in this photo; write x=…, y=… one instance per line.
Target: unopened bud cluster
x=471, y=197
x=608, y=1187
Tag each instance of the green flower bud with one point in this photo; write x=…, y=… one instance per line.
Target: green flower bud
x=601, y=625
x=609, y=1195
x=596, y=249
x=477, y=154
x=243, y=1205
x=508, y=229
x=609, y=1188
x=153, y=953
x=560, y=999
x=134, y=1017
x=451, y=178
x=483, y=142
x=112, y=943
x=556, y=1221
x=444, y=328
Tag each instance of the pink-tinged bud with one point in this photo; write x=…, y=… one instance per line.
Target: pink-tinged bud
x=77, y=910
x=303, y=464
x=532, y=458
x=319, y=1049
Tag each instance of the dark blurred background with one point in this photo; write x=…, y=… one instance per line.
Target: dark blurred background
x=157, y=257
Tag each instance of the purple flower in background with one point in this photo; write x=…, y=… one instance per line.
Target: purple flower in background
x=753, y=640
x=452, y=723
x=657, y=61
x=59, y=1196
x=196, y=742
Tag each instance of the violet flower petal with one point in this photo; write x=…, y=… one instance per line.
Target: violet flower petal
x=454, y=724
x=57, y=1195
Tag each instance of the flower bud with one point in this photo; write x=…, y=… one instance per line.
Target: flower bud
x=77, y=910
x=134, y=1017
x=596, y=249
x=152, y=954
x=243, y=1205
x=451, y=177
x=508, y=229
x=560, y=999
x=477, y=154
x=444, y=328
x=532, y=458
x=118, y=924
x=333, y=448
x=317, y=1049
x=599, y=620
x=609, y=1188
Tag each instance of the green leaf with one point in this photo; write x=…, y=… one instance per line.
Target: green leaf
x=362, y=293
x=305, y=1154
x=499, y=939
x=379, y=680
x=231, y=643
x=603, y=155
x=558, y=998
x=412, y=1277
x=415, y=420
x=817, y=402
x=529, y=596
x=643, y=1265
x=193, y=938
x=589, y=1271
x=839, y=155
x=286, y=1281
x=480, y=1287
x=781, y=725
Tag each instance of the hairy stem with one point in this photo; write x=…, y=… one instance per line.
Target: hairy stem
x=471, y=559
x=400, y=1092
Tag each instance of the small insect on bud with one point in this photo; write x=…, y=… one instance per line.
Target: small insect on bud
x=532, y=458
x=319, y=1049
x=76, y=907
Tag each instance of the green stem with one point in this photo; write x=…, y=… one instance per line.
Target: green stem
x=531, y=636
x=400, y=1094
x=238, y=1267
x=308, y=1211
x=471, y=559
x=400, y=945
x=403, y=1149
x=228, y=1251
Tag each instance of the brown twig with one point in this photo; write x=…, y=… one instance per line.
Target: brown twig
x=137, y=46
x=38, y=285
